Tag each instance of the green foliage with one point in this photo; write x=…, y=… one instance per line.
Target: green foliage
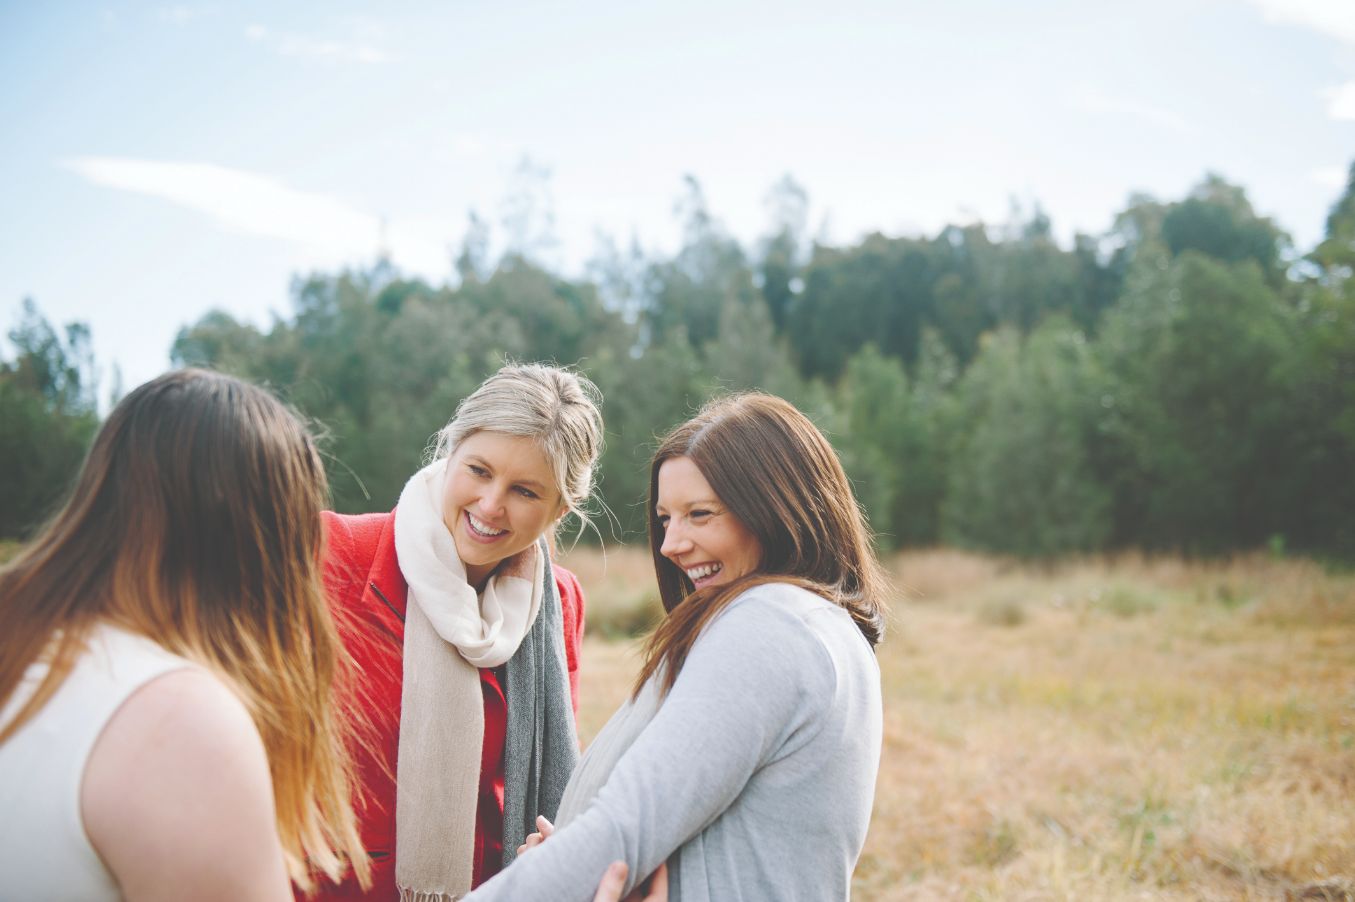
x=962, y=284
x=1217, y=221
x=876, y=293
x=688, y=293
x=381, y=363
x=1336, y=253
x=1194, y=403
x=1021, y=480
x=645, y=396
x=875, y=398
x=780, y=262
x=1318, y=376
x=895, y=443
x=48, y=411
x=1168, y=384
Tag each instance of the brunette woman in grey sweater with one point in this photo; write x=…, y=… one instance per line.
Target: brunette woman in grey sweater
x=746, y=758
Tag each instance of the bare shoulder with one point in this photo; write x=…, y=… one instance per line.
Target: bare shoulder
x=177, y=798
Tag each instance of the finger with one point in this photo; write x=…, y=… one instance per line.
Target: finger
x=545, y=826
x=613, y=882
x=658, y=885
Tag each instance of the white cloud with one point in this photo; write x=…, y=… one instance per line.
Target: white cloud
x=306, y=47
x=1341, y=101
x=1334, y=18
x=1090, y=98
x=331, y=231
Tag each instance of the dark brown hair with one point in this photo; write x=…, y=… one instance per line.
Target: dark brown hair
x=195, y=522
x=774, y=471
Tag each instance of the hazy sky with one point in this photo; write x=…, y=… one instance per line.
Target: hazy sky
x=160, y=160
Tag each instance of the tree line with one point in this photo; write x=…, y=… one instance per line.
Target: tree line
x=1184, y=381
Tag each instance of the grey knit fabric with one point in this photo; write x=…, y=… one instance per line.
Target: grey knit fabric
x=753, y=778
x=541, y=746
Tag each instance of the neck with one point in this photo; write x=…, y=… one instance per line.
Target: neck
x=478, y=575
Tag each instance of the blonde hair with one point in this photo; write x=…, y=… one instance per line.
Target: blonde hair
x=774, y=470
x=554, y=407
x=195, y=522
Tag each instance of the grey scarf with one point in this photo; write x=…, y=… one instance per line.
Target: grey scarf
x=541, y=747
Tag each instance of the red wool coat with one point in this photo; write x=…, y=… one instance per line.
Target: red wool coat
x=368, y=594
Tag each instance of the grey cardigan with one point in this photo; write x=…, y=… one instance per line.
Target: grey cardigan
x=754, y=779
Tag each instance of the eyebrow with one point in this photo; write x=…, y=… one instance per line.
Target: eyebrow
x=700, y=502
x=529, y=483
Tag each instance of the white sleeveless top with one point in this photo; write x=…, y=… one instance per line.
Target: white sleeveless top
x=44, y=851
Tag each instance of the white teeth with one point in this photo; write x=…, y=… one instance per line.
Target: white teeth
x=482, y=527
x=703, y=571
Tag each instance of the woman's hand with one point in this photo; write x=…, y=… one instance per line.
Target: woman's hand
x=609, y=890
x=614, y=881
x=544, y=829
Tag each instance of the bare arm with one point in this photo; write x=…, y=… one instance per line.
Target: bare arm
x=177, y=798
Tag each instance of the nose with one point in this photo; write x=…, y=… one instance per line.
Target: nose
x=492, y=501
x=675, y=541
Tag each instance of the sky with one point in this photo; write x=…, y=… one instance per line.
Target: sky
x=161, y=161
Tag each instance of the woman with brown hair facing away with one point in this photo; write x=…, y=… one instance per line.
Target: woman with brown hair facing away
x=467, y=636
x=746, y=757
x=166, y=664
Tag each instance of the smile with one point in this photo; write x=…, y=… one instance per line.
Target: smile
x=696, y=574
x=481, y=528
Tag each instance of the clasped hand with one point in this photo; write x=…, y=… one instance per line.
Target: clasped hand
x=655, y=889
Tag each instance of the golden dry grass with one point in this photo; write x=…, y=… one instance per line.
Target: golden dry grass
x=1134, y=728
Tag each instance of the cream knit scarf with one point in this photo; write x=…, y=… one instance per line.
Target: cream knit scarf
x=450, y=633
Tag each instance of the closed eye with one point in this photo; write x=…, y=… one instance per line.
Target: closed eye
x=699, y=515
x=477, y=470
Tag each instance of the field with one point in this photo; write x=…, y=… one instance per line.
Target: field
x=1132, y=728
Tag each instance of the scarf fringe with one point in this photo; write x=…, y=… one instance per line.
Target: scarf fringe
x=411, y=895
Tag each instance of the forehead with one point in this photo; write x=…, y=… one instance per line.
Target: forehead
x=517, y=457
x=681, y=482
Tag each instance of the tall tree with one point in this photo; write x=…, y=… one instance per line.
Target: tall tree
x=1021, y=480
x=1192, y=357
x=688, y=293
x=780, y=264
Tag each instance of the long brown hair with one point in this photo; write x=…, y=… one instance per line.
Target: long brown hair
x=195, y=522
x=774, y=471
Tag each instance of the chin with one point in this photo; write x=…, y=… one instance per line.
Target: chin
x=468, y=553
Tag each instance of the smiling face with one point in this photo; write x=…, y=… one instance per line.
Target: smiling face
x=498, y=498
x=700, y=534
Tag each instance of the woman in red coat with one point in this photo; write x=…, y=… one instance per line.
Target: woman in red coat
x=466, y=637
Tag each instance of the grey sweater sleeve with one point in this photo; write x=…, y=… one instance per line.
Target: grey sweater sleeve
x=753, y=689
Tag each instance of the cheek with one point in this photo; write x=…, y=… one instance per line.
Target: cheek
x=448, y=499
x=531, y=516
x=749, y=550
x=453, y=496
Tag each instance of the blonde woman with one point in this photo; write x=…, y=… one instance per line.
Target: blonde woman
x=467, y=636
x=166, y=663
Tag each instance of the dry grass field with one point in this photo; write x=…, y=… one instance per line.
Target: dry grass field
x=1133, y=728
